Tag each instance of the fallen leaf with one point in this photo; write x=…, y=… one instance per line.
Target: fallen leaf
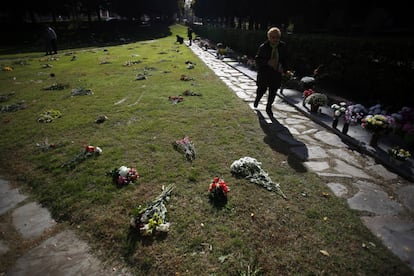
x=324, y=252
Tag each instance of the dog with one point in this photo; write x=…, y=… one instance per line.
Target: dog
x=180, y=39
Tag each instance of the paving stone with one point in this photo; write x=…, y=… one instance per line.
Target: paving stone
x=381, y=171
x=63, y=254
x=345, y=155
x=342, y=167
x=31, y=220
x=295, y=121
x=373, y=199
x=406, y=195
x=396, y=234
x=338, y=189
x=292, y=130
x=316, y=152
x=317, y=166
x=329, y=139
x=336, y=175
x=9, y=198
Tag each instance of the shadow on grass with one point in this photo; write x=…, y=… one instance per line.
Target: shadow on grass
x=134, y=237
x=279, y=138
x=26, y=38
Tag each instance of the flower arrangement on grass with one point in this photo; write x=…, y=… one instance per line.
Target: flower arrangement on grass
x=87, y=152
x=377, y=123
x=49, y=116
x=250, y=168
x=186, y=147
x=152, y=218
x=218, y=191
x=399, y=153
x=123, y=176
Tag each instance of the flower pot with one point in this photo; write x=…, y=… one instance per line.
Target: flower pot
x=335, y=122
x=345, y=128
x=314, y=107
x=374, y=139
x=396, y=162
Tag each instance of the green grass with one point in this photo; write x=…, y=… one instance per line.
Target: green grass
x=281, y=237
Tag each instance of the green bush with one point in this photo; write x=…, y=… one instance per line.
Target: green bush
x=366, y=70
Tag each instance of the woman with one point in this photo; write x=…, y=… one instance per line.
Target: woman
x=270, y=60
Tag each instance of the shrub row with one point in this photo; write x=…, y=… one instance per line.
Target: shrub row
x=366, y=70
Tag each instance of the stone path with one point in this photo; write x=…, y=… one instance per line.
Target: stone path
x=383, y=197
x=59, y=252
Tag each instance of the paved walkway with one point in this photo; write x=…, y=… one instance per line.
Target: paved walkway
x=354, y=171
x=383, y=197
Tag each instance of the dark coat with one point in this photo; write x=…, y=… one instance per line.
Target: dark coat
x=266, y=75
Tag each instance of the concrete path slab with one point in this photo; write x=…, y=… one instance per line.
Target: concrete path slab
x=63, y=254
x=31, y=220
x=9, y=198
x=372, y=198
x=396, y=233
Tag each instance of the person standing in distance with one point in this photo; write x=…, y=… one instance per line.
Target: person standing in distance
x=190, y=35
x=51, y=41
x=270, y=61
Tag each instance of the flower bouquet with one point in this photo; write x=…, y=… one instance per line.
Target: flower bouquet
x=399, y=153
x=353, y=116
x=49, y=116
x=250, y=168
x=218, y=191
x=354, y=113
x=186, y=147
x=338, y=111
x=376, y=123
x=124, y=176
x=151, y=219
x=87, y=152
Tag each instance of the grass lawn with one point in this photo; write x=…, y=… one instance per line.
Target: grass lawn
x=256, y=233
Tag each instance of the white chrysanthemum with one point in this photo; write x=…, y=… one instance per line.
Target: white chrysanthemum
x=123, y=171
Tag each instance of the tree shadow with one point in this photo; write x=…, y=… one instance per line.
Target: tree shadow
x=29, y=37
x=279, y=138
x=134, y=237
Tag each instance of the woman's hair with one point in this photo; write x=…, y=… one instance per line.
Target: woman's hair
x=274, y=30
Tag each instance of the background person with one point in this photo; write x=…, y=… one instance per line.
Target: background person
x=51, y=41
x=270, y=60
x=190, y=35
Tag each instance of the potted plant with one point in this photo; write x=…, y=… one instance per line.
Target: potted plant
x=316, y=100
x=354, y=113
x=338, y=111
x=377, y=125
x=398, y=155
